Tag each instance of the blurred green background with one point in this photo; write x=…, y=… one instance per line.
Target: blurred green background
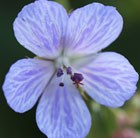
x=14, y=125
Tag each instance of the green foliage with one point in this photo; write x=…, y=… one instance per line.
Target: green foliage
x=103, y=121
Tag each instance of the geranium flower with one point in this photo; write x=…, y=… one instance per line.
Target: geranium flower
x=68, y=60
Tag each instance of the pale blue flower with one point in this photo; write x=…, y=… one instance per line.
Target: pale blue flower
x=68, y=59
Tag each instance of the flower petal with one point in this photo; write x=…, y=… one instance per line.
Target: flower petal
x=62, y=113
x=110, y=79
x=25, y=82
x=92, y=28
x=40, y=28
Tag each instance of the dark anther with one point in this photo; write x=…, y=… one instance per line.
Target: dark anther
x=59, y=72
x=77, y=77
x=69, y=70
x=61, y=84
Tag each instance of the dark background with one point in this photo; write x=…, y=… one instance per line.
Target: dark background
x=14, y=125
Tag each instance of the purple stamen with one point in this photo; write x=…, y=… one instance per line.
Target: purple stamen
x=61, y=84
x=77, y=77
x=69, y=70
x=59, y=72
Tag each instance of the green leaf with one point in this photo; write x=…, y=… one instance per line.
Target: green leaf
x=103, y=121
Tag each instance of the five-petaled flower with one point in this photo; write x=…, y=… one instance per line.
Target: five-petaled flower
x=68, y=59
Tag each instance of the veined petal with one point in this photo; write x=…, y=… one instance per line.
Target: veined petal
x=92, y=28
x=62, y=113
x=40, y=28
x=25, y=82
x=110, y=79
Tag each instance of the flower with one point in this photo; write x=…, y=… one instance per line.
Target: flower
x=68, y=59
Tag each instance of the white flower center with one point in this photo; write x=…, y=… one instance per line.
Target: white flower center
x=62, y=61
